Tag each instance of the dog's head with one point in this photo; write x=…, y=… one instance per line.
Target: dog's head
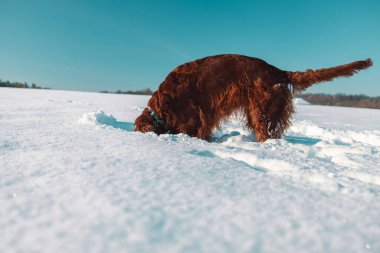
x=146, y=123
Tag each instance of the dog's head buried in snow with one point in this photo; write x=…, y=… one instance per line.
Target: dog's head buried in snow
x=196, y=96
x=148, y=121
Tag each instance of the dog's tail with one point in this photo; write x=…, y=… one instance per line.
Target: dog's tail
x=303, y=80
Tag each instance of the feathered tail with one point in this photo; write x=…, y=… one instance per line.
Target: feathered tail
x=303, y=80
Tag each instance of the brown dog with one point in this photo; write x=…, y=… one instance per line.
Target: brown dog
x=196, y=96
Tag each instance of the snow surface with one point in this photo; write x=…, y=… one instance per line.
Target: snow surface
x=74, y=177
x=301, y=101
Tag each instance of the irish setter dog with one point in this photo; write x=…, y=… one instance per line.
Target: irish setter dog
x=197, y=96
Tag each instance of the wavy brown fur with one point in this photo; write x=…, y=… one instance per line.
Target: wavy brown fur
x=303, y=80
x=196, y=96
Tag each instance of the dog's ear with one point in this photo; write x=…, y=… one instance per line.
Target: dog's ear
x=153, y=101
x=160, y=100
x=144, y=123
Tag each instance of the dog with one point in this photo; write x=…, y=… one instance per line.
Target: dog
x=197, y=96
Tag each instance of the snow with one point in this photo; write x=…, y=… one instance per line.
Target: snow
x=74, y=177
x=301, y=101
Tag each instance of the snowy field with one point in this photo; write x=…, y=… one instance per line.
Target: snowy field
x=74, y=177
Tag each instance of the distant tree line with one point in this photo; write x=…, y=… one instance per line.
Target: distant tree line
x=339, y=99
x=362, y=101
x=146, y=91
x=19, y=85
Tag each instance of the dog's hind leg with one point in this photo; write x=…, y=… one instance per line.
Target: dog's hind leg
x=257, y=121
x=279, y=110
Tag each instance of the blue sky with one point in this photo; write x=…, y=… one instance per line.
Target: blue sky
x=96, y=45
